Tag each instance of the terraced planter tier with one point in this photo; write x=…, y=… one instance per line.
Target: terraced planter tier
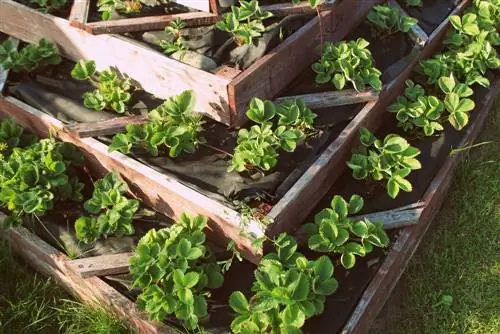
x=169, y=195
x=222, y=94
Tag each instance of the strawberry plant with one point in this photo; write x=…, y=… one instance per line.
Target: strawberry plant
x=174, y=29
x=392, y=160
x=29, y=58
x=173, y=124
x=387, y=20
x=244, y=22
x=288, y=290
x=175, y=271
x=436, y=67
x=112, y=91
x=47, y=6
x=11, y=135
x=344, y=62
x=107, y=7
x=334, y=232
x=112, y=212
x=258, y=147
x=413, y=3
x=415, y=109
x=456, y=102
x=33, y=178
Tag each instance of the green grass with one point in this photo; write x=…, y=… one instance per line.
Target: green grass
x=30, y=303
x=458, y=257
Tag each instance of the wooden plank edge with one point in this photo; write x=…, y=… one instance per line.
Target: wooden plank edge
x=159, y=191
x=49, y=261
x=288, y=8
x=191, y=19
x=333, y=98
x=387, y=276
x=153, y=72
x=296, y=52
x=214, y=7
x=103, y=265
x=79, y=11
x=400, y=217
x=106, y=127
x=203, y=5
x=313, y=184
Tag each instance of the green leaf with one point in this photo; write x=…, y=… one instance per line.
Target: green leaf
x=326, y=287
x=348, y=260
x=392, y=188
x=239, y=302
x=403, y=184
x=83, y=70
x=340, y=206
x=356, y=203
x=301, y=290
x=458, y=120
x=338, y=80
x=360, y=229
x=447, y=84
x=465, y=105
x=261, y=111
x=451, y=102
x=183, y=248
x=323, y=268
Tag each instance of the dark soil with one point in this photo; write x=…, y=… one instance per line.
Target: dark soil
x=431, y=14
x=64, y=12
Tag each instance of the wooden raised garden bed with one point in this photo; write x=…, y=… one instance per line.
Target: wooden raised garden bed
x=166, y=194
x=84, y=277
x=223, y=95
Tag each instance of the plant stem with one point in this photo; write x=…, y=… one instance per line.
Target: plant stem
x=216, y=149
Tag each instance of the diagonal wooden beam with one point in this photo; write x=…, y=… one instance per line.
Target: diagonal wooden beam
x=333, y=98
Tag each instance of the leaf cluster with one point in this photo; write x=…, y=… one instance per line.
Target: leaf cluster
x=112, y=91
x=176, y=272
x=244, y=22
x=392, y=159
x=471, y=47
x=107, y=7
x=29, y=58
x=334, y=232
x=49, y=6
x=172, y=124
x=259, y=145
x=11, y=135
x=288, y=289
x=387, y=20
x=344, y=62
x=33, y=178
x=177, y=44
x=112, y=212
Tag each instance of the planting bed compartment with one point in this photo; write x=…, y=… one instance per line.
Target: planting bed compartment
x=223, y=96
x=53, y=263
x=169, y=196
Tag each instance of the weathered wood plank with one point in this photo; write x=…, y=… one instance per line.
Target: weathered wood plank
x=161, y=192
x=191, y=19
x=103, y=265
x=50, y=262
x=385, y=280
x=333, y=98
x=214, y=7
x=4, y=74
x=417, y=34
x=107, y=127
x=288, y=8
x=227, y=72
x=293, y=55
x=155, y=73
x=404, y=216
x=79, y=11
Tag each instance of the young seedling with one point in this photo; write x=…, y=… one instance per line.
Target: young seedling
x=258, y=147
x=387, y=20
x=244, y=22
x=112, y=91
x=112, y=212
x=49, y=6
x=30, y=58
x=288, y=290
x=334, y=232
x=177, y=44
x=108, y=7
x=344, y=62
x=173, y=124
x=392, y=160
x=34, y=178
x=416, y=110
x=175, y=272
